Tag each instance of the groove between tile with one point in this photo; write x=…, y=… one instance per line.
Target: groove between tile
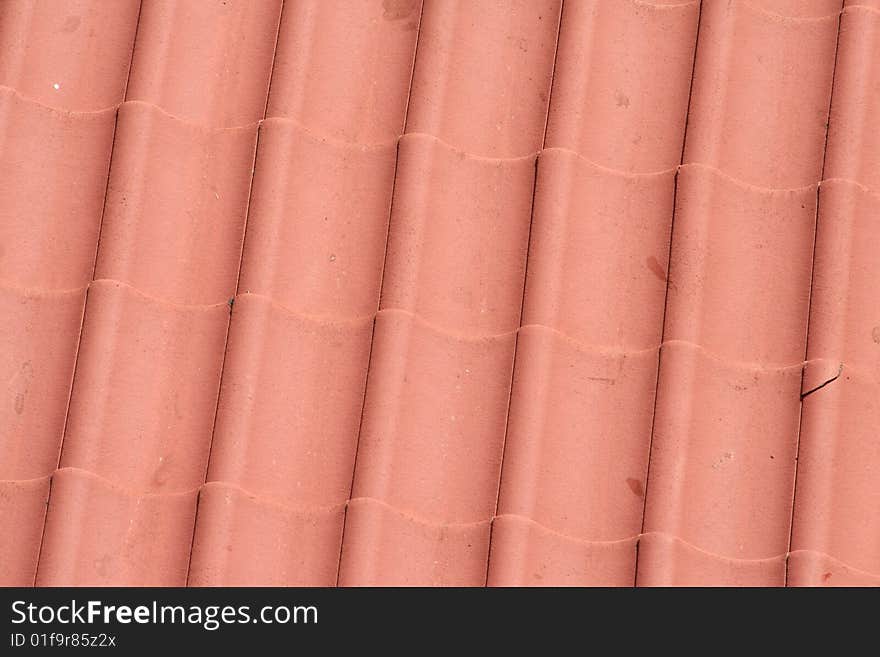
x=381, y=281
x=85, y=305
x=433, y=116
x=835, y=495
x=413, y=518
x=810, y=298
x=712, y=130
x=238, y=278
x=98, y=250
x=666, y=294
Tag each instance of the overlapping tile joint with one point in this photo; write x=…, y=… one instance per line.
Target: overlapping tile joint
x=517, y=292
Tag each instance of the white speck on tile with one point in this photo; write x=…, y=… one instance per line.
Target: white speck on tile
x=56, y=86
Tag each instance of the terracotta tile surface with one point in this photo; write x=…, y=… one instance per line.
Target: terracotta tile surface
x=725, y=439
x=836, y=536
x=453, y=292
x=573, y=484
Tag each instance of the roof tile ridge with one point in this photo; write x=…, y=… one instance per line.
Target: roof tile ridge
x=109, y=109
x=592, y=347
x=205, y=127
x=870, y=191
x=663, y=6
x=782, y=556
x=839, y=562
x=314, y=318
x=565, y=536
x=785, y=18
x=735, y=363
x=7, y=90
x=638, y=537
x=747, y=185
x=121, y=488
x=613, y=350
x=28, y=480
x=38, y=291
x=412, y=517
x=275, y=501
x=714, y=555
x=860, y=7
x=411, y=135
x=417, y=518
x=593, y=164
x=445, y=331
x=261, y=498
x=329, y=139
x=103, y=282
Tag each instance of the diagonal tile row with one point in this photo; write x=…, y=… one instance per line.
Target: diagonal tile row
x=723, y=448
x=168, y=194
x=836, y=524
x=56, y=152
x=729, y=434
x=448, y=336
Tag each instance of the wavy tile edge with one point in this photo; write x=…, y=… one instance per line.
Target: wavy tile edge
x=408, y=516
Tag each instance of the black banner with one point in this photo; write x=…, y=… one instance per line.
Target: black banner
x=417, y=620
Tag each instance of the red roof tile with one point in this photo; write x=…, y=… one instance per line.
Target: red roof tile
x=289, y=414
x=622, y=80
x=205, y=62
x=61, y=76
x=450, y=293
x=724, y=446
x=433, y=427
x=573, y=484
x=342, y=70
x=76, y=60
x=836, y=533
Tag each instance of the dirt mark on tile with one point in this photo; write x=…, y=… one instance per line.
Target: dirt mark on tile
x=22, y=379
x=656, y=268
x=71, y=24
x=635, y=485
x=395, y=10
x=104, y=565
x=722, y=460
